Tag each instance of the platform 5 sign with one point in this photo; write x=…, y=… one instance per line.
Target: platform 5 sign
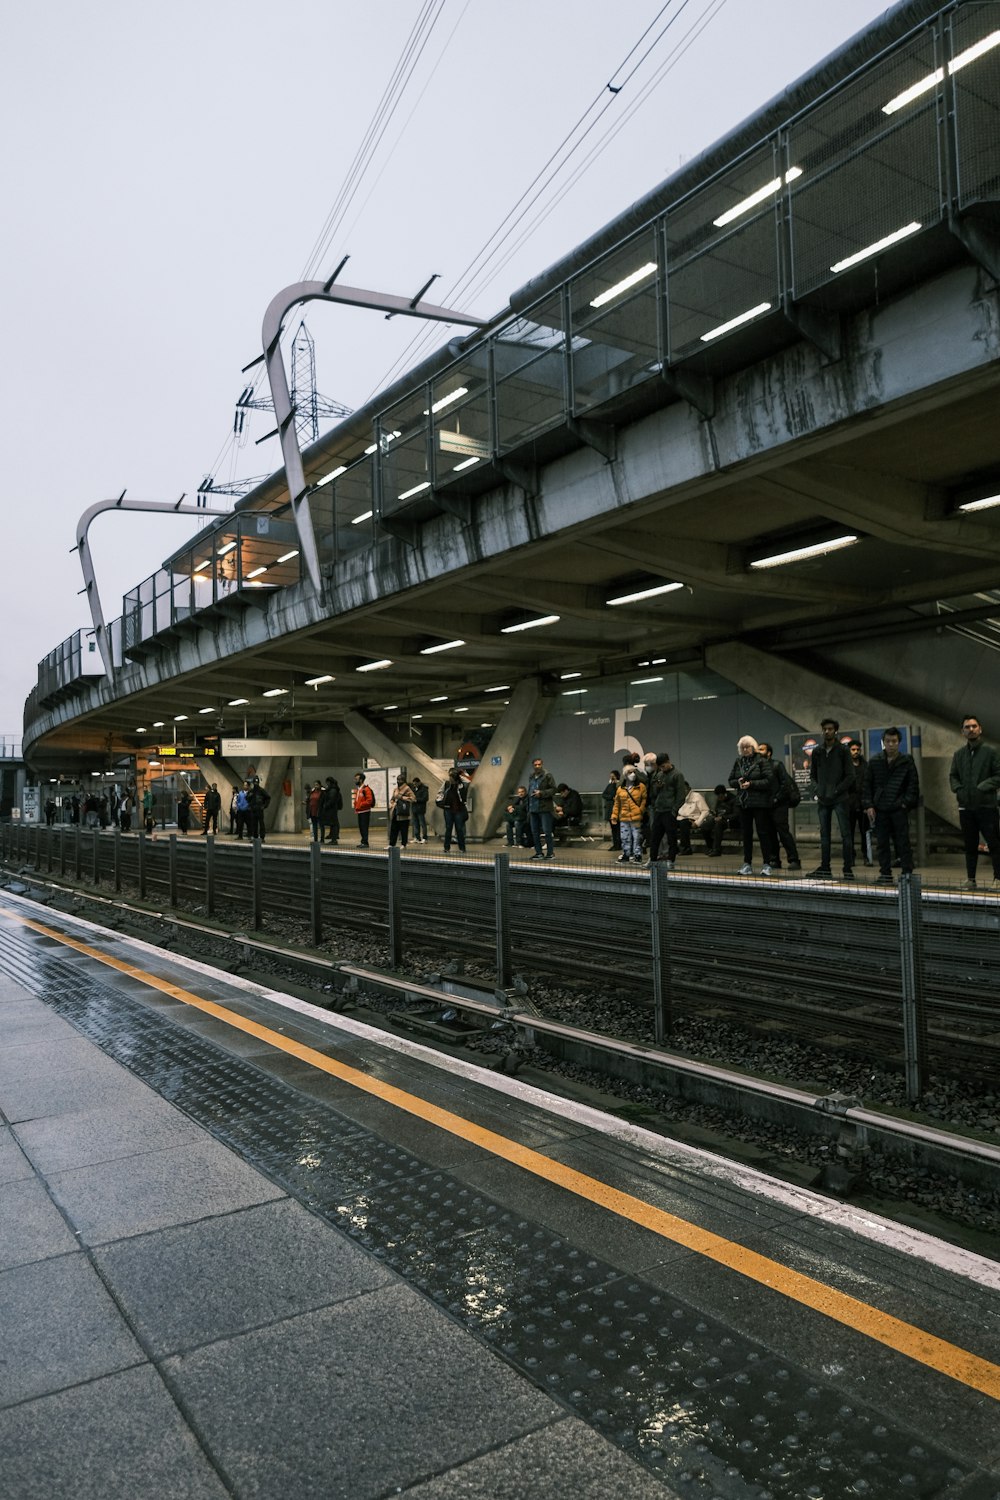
x=267, y=747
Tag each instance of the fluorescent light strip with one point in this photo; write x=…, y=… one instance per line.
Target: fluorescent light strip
x=799, y=554
x=235, y=702
x=529, y=624
x=565, y=676
x=441, y=646
x=333, y=474
x=287, y=556
x=255, y=572
x=503, y=688
x=573, y=692
x=318, y=681
x=442, y=699
x=206, y=710
x=623, y=286
x=365, y=516
x=416, y=490
x=987, y=504
x=663, y=588
x=767, y=191
x=206, y=564
x=465, y=464
x=455, y=395
x=745, y=317
x=179, y=717
x=883, y=244
x=141, y=729
x=158, y=724
x=221, y=551
x=641, y=681
x=924, y=85
x=275, y=693
x=374, y=666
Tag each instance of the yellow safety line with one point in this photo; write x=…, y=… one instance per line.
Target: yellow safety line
x=959, y=1364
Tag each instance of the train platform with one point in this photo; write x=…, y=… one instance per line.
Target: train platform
x=252, y=1248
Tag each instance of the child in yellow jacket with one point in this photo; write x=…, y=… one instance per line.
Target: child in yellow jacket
x=627, y=810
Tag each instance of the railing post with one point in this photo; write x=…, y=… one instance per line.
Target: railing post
x=78, y=869
x=118, y=859
x=142, y=864
x=394, y=873
x=659, y=914
x=62, y=851
x=257, y=882
x=316, y=891
x=501, y=897
x=49, y=836
x=172, y=869
x=911, y=956
x=95, y=856
x=210, y=875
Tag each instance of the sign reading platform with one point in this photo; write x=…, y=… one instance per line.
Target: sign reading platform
x=267, y=747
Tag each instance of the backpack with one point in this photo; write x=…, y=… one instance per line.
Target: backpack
x=242, y=805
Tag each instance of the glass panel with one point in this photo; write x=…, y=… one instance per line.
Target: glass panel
x=462, y=438
x=402, y=451
x=615, y=320
x=342, y=512
x=529, y=364
x=977, y=103
x=866, y=175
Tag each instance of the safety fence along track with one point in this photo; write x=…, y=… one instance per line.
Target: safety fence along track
x=899, y=976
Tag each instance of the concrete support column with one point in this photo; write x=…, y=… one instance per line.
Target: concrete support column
x=807, y=697
x=509, y=744
x=385, y=751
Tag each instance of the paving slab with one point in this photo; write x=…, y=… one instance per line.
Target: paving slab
x=125, y=1127
x=31, y=1227
x=14, y=1165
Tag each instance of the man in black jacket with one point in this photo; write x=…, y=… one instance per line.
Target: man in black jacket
x=890, y=791
x=832, y=777
x=975, y=780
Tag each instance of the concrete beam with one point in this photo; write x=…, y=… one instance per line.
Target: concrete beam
x=509, y=744
x=385, y=751
x=806, y=697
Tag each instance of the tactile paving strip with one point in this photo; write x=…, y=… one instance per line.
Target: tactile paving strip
x=709, y=1410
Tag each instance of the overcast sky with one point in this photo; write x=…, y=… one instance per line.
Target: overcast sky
x=167, y=169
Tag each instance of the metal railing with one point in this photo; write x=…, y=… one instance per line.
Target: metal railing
x=895, y=976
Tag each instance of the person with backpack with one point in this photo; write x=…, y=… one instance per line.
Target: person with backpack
x=786, y=796
x=421, y=796
x=363, y=800
x=452, y=798
x=314, y=809
x=241, y=803
x=330, y=811
x=626, y=814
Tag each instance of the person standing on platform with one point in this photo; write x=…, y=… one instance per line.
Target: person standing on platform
x=541, y=796
x=665, y=792
x=608, y=798
x=314, y=809
x=330, y=812
x=859, y=815
x=400, y=807
x=452, y=799
x=890, y=791
x=258, y=799
x=832, y=777
x=362, y=800
x=212, y=807
x=627, y=813
x=752, y=779
x=184, y=812
x=786, y=796
x=421, y=795
x=975, y=779
x=241, y=805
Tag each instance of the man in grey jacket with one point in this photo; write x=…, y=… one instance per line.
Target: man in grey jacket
x=975, y=778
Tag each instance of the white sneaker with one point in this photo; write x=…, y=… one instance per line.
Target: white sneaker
x=765, y=870
x=746, y=870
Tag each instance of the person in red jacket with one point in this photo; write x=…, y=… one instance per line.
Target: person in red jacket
x=363, y=800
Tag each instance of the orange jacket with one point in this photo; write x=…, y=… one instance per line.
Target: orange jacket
x=629, y=803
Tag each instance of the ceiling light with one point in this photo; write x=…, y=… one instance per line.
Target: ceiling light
x=565, y=676
x=374, y=666
x=416, y=716
x=460, y=710
x=388, y=706
x=365, y=516
x=455, y=395
x=745, y=317
x=235, y=702
x=986, y=504
x=206, y=564
x=341, y=469
x=767, y=191
x=623, y=286
x=640, y=681
x=255, y=572
x=441, y=646
x=650, y=593
x=529, y=624
x=154, y=762
x=883, y=244
x=227, y=548
x=486, y=726
x=924, y=85
x=442, y=699
x=574, y=692
x=385, y=440
x=157, y=723
x=799, y=554
x=274, y=693
x=417, y=489
x=287, y=556
x=206, y=710
x=503, y=688
x=318, y=681
x=465, y=464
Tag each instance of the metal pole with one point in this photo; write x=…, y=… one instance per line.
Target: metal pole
x=916, y=747
x=316, y=891
x=49, y=835
x=501, y=894
x=78, y=871
x=142, y=864
x=62, y=851
x=172, y=869
x=911, y=955
x=257, y=874
x=659, y=912
x=210, y=875
x=118, y=859
x=395, y=880
x=95, y=855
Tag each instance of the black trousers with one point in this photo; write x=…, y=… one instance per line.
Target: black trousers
x=976, y=821
x=762, y=819
x=663, y=825
x=893, y=828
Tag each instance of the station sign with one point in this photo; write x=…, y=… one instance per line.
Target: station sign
x=267, y=747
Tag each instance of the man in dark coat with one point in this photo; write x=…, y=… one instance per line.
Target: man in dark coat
x=891, y=790
x=975, y=780
x=832, y=777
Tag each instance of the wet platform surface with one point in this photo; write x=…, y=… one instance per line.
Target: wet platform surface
x=251, y=1249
